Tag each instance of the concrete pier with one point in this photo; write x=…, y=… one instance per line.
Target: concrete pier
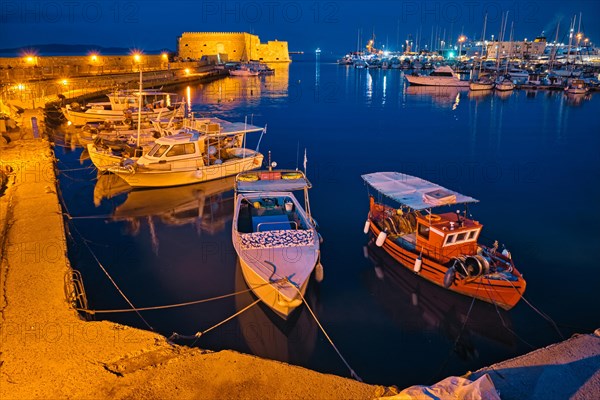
x=47, y=351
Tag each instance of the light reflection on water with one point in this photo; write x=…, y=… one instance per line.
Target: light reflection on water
x=530, y=158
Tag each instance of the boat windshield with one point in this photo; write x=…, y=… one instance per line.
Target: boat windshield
x=445, y=74
x=158, y=150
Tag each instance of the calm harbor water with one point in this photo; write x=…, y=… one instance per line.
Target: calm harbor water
x=531, y=158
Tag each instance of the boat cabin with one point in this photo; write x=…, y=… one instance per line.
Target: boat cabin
x=266, y=201
x=448, y=235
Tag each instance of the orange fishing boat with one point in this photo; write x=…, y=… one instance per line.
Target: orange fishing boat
x=442, y=248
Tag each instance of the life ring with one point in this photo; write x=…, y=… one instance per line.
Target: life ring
x=248, y=178
x=291, y=175
x=433, y=218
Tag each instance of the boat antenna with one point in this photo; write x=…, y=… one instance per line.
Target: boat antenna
x=270, y=166
x=245, y=133
x=297, y=154
x=139, y=123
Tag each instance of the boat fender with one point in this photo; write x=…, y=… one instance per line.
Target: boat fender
x=198, y=174
x=449, y=277
x=319, y=273
x=367, y=226
x=365, y=252
x=418, y=264
x=414, y=299
x=379, y=273
x=381, y=239
x=320, y=238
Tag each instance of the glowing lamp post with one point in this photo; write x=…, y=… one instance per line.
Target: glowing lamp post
x=461, y=40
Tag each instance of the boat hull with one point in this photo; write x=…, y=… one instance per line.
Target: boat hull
x=269, y=293
x=142, y=177
x=80, y=118
x=102, y=160
x=503, y=293
x=435, y=81
x=481, y=86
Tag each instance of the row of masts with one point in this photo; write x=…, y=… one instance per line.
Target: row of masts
x=439, y=40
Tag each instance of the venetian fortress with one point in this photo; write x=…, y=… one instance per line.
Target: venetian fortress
x=231, y=46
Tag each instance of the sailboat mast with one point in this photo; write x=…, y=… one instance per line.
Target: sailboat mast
x=555, y=49
x=139, y=123
x=483, y=46
x=512, y=24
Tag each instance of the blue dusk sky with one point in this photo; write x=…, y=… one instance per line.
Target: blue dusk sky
x=331, y=25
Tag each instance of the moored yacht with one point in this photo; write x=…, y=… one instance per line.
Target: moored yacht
x=441, y=76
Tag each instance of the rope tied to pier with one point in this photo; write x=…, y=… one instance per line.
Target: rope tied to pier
x=352, y=373
x=167, y=306
x=199, y=334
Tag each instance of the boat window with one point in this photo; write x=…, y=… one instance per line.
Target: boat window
x=181, y=149
x=450, y=239
x=160, y=151
x=423, y=231
x=461, y=236
x=447, y=74
x=472, y=234
x=153, y=149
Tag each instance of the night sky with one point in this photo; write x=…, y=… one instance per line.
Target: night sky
x=331, y=25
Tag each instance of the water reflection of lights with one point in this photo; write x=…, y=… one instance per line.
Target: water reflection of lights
x=384, y=89
x=456, y=102
x=442, y=95
x=188, y=92
x=369, y=86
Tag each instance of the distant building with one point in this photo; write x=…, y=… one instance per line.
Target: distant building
x=230, y=46
x=521, y=50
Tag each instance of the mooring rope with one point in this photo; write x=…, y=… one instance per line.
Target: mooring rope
x=505, y=324
x=352, y=373
x=110, y=278
x=456, y=341
x=198, y=334
x=167, y=306
x=542, y=314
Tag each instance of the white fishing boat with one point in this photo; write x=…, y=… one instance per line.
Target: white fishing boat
x=482, y=83
x=504, y=84
x=275, y=237
x=123, y=106
x=441, y=76
x=244, y=70
x=213, y=151
x=577, y=86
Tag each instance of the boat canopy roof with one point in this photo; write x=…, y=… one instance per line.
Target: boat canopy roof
x=271, y=181
x=413, y=192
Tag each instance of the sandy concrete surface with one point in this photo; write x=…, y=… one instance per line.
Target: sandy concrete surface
x=47, y=351
x=566, y=370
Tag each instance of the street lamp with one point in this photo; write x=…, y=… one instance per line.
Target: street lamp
x=461, y=40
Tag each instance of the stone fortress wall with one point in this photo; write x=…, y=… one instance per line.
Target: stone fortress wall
x=231, y=46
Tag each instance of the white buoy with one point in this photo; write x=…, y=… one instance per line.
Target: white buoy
x=367, y=226
x=319, y=274
x=198, y=174
x=418, y=264
x=380, y=239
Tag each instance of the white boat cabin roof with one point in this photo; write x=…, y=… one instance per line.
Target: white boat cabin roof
x=414, y=192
